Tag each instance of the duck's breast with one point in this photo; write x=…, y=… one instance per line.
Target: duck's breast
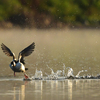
x=20, y=67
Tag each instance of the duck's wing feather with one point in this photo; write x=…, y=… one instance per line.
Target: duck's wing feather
x=22, y=60
x=28, y=50
x=6, y=50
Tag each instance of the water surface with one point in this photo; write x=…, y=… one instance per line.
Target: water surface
x=51, y=90
x=78, y=49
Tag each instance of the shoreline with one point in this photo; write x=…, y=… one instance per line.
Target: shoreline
x=9, y=25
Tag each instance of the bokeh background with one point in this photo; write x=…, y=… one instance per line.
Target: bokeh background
x=49, y=13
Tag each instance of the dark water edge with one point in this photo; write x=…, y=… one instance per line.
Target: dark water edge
x=54, y=25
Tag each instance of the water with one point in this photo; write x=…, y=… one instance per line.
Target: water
x=50, y=89
x=61, y=75
x=58, y=54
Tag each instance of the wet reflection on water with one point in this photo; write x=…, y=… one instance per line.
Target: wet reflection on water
x=51, y=90
x=69, y=90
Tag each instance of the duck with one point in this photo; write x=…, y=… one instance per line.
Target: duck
x=18, y=65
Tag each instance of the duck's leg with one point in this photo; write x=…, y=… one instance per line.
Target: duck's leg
x=14, y=74
x=26, y=76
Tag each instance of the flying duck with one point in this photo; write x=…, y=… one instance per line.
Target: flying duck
x=18, y=65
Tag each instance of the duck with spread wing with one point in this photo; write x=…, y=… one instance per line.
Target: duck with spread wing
x=18, y=65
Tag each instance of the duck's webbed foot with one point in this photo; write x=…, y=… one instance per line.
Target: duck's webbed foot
x=26, y=76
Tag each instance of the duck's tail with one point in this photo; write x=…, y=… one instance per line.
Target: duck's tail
x=26, y=68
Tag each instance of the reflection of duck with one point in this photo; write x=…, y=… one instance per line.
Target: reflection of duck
x=18, y=65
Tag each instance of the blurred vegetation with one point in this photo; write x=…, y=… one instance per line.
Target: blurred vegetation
x=50, y=13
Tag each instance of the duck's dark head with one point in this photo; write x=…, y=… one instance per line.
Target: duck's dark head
x=13, y=63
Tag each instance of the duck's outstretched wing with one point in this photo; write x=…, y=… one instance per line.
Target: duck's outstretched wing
x=6, y=50
x=26, y=52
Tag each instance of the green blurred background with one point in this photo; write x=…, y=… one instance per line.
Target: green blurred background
x=50, y=13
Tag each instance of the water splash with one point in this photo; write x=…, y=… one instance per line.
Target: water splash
x=70, y=72
x=66, y=73
x=58, y=72
x=38, y=74
x=78, y=74
x=53, y=75
x=63, y=71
